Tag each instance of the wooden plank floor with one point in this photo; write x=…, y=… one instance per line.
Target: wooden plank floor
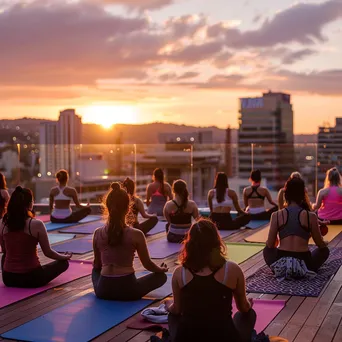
x=302, y=320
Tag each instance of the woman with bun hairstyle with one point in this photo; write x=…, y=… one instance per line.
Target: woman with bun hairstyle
x=60, y=199
x=115, y=245
x=137, y=206
x=179, y=212
x=4, y=195
x=20, y=234
x=158, y=193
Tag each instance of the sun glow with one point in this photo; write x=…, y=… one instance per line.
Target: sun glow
x=107, y=116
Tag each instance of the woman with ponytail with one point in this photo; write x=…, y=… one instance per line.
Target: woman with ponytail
x=179, y=212
x=158, y=193
x=221, y=201
x=115, y=246
x=137, y=206
x=20, y=234
x=4, y=196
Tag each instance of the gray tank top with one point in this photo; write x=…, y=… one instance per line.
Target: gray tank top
x=293, y=226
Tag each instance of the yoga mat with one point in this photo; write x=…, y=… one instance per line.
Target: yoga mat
x=263, y=281
x=206, y=212
x=240, y=252
x=160, y=249
x=54, y=226
x=56, y=238
x=161, y=292
x=266, y=311
x=44, y=218
x=158, y=228
x=77, y=269
x=88, y=228
x=79, y=321
x=76, y=246
x=256, y=224
x=262, y=235
x=225, y=233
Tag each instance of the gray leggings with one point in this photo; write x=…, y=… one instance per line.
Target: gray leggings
x=126, y=288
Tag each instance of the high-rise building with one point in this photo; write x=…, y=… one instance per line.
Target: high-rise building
x=60, y=144
x=266, y=137
x=329, y=149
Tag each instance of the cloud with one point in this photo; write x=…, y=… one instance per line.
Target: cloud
x=138, y=4
x=295, y=56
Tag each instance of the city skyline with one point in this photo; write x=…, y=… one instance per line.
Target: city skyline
x=183, y=61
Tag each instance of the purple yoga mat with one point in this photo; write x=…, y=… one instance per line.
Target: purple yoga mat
x=76, y=246
x=266, y=311
x=158, y=228
x=77, y=269
x=88, y=228
x=225, y=233
x=160, y=249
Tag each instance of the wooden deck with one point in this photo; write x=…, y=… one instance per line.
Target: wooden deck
x=302, y=320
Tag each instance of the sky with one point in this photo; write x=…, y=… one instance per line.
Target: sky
x=180, y=61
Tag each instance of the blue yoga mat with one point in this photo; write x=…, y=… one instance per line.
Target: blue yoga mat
x=256, y=224
x=159, y=228
x=88, y=228
x=54, y=226
x=76, y=246
x=79, y=321
x=206, y=212
x=161, y=292
x=56, y=238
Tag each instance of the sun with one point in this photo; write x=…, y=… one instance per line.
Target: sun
x=107, y=116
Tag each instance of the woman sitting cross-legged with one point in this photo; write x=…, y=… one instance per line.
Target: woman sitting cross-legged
x=221, y=201
x=179, y=212
x=4, y=196
x=114, y=246
x=254, y=198
x=204, y=288
x=295, y=226
x=19, y=236
x=138, y=207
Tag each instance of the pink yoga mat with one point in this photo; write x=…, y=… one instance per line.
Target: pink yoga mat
x=77, y=269
x=44, y=218
x=266, y=311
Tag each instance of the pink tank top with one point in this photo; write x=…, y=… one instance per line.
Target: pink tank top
x=118, y=256
x=21, y=252
x=331, y=208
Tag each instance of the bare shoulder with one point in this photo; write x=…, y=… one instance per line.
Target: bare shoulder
x=54, y=191
x=211, y=192
x=70, y=191
x=231, y=193
x=177, y=272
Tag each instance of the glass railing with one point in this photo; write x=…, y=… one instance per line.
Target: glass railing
x=93, y=167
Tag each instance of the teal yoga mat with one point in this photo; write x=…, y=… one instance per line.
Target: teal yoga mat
x=79, y=321
x=205, y=212
x=54, y=226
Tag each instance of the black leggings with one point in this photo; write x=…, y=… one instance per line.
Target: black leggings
x=313, y=260
x=224, y=221
x=126, y=288
x=146, y=225
x=244, y=324
x=39, y=277
x=76, y=216
x=265, y=215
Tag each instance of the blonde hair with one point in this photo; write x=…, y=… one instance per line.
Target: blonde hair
x=332, y=178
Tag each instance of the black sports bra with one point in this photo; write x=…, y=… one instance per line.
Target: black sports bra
x=255, y=191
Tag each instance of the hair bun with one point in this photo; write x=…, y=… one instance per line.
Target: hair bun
x=115, y=186
x=19, y=188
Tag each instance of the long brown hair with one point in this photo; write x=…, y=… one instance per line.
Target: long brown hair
x=221, y=185
x=117, y=206
x=180, y=188
x=203, y=247
x=158, y=175
x=3, y=185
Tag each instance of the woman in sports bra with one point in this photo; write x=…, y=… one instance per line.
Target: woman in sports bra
x=203, y=290
x=20, y=234
x=329, y=199
x=254, y=198
x=179, y=212
x=60, y=199
x=115, y=246
x=4, y=195
x=221, y=201
x=137, y=206
x=158, y=193
x=295, y=226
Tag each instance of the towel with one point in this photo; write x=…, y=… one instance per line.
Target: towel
x=156, y=315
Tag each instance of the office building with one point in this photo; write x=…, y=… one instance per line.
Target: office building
x=329, y=149
x=265, y=137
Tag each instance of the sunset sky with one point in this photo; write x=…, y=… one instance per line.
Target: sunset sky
x=181, y=61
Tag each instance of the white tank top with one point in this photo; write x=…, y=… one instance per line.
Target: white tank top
x=227, y=202
x=61, y=196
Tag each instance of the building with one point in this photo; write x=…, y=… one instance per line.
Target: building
x=329, y=149
x=265, y=137
x=60, y=144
